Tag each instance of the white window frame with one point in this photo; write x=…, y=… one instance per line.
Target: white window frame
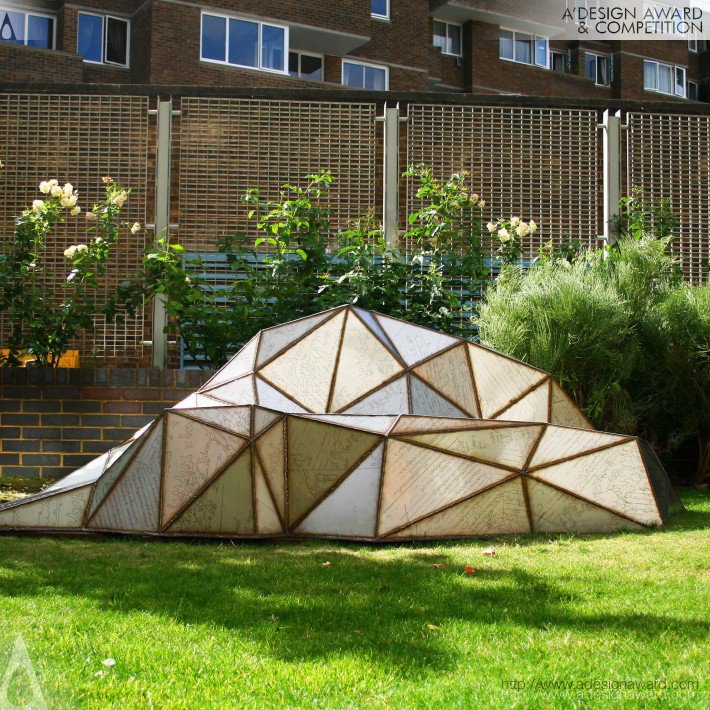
x=598, y=56
x=450, y=24
x=533, y=55
x=381, y=17
x=363, y=64
x=697, y=89
x=104, y=24
x=674, y=69
x=260, y=24
x=307, y=54
x=27, y=14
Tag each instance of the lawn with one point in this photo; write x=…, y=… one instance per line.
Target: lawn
x=195, y=624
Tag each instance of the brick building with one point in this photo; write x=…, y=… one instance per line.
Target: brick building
x=477, y=46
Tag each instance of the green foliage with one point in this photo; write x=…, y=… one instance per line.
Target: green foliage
x=41, y=325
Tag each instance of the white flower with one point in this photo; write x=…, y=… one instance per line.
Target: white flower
x=64, y=202
x=188, y=280
x=523, y=230
x=98, y=241
x=68, y=189
x=515, y=221
x=119, y=199
x=44, y=187
x=135, y=228
x=491, y=227
x=108, y=662
x=91, y=217
x=474, y=198
x=38, y=206
x=55, y=191
x=53, y=183
x=75, y=211
x=504, y=235
x=70, y=253
x=481, y=203
x=533, y=226
x=82, y=248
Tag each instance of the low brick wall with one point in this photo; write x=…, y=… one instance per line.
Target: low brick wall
x=54, y=420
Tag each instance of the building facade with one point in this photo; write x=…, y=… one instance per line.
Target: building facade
x=474, y=46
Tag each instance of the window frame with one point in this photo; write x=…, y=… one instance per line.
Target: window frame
x=377, y=16
x=559, y=53
x=693, y=45
x=696, y=84
x=104, y=27
x=259, y=23
x=597, y=56
x=27, y=12
x=675, y=68
x=308, y=54
x=370, y=65
x=449, y=24
x=533, y=48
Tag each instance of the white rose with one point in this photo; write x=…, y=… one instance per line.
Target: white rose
x=44, y=187
x=82, y=248
x=533, y=226
x=135, y=228
x=75, y=211
x=64, y=202
x=68, y=189
x=91, y=217
x=481, y=203
x=38, y=206
x=523, y=230
x=72, y=200
x=474, y=197
x=119, y=199
x=55, y=191
x=70, y=252
x=491, y=227
x=504, y=234
x=515, y=221
x=53, y=183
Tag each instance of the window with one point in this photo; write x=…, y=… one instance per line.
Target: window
x=380, y=8
x=664, y=78
x=102, y=39
x=692, y=90
x=693, y=45
x=524, y=48
x=244, y=43
x=598, y=68
x=306, y=66
x=558, y=61
x=447, y=37
x=28, y=28
x=365, y=76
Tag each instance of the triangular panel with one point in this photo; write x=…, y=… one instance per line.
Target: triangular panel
x=413, y=342
x=379, y=424
x=197, y=400
x=276, y=339
x=271, y=451
x=351, y=509
x=533, y=407
x=427, y=402
x=89, y=473
x=237, y=392
x=392, y=398
x=264, y=418
x=564, y=410
x=241, y=364
x=561, y=443
x=369, y=319
x=235, y=419
x=423, y=425
x=61, y=510
x=498, y=511
x=267, y=396
x=267, y=519
x=319, y=455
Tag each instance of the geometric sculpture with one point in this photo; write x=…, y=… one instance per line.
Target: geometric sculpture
x=353, y=425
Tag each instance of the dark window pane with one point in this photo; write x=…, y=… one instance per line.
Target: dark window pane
x=454, y=44
x=692, y=90
x=312, y=67
x=523, y=48
x=12, y=27
x=440, y=35
x=590, y=66
x=90, y=38
x=116, y=41
x=293, y=63
x=353, y=75
x=244, y=43
x=214, y=38
x=379, y=7
x=40, y=31
x=374, y=79
x=558, y=62
x=273, y=47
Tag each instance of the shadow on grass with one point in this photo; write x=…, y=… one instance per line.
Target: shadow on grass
x=296, y=609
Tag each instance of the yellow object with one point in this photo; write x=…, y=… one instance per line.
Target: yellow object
x=69, y=359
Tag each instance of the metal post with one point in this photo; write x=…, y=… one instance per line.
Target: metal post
x=162, y=222
x=390, y=207
x=611, y=125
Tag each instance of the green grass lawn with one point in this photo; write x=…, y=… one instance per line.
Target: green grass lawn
x=195, y=624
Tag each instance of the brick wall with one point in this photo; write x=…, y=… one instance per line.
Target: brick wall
x=53, y=421
x=20, y=63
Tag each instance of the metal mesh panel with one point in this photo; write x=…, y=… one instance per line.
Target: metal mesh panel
x=668, y=157
x=230, y=145
x=540, y=164
x=79, y=139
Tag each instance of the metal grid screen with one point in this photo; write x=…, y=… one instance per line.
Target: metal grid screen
x=541, y=164
x=79, y=139
x=668, y=157
x=230, y=145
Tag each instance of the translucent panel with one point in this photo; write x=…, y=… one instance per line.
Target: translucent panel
x=63, y=510
x=40, y=31
x=351, y=509
x=413, y=342
x=390, y=399
x=509, y=446
x=666, y=497
x=499, y=380
x=133, y=504
x=533, y=407
x=564, y=410
x=263, y=418
x=236, y=419
x=650, y=77
x=379, y=424
x=614, y=477
x=271, y=452
x=267, y=396
x=273, y=48
x=425, y=425
x=419, y=481
x=319, y=455
x=243, y=43
x=306, y=369
x=12, y=27
x=559, y=443
x=364, y=363
x=450, y=374
x=90, y=37
x=197, y=400
x=498, y=511
x=555, y=512
x=84, y=475
x=194, y=454
x=426, y=401
x=226, y=507
x=116, y=41
x=371, y=321
x=274, y=340
x=267, y=519
x=241, y=364
x=237, y=392
x=665, y=79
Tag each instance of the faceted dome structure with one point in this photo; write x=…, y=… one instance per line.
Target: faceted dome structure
x=353, y=425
